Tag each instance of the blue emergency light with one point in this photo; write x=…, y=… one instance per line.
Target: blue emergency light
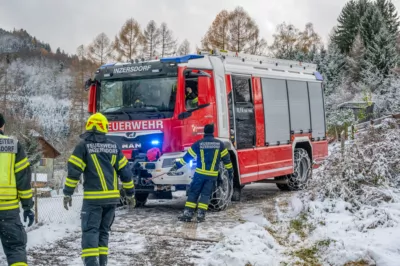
x=155, y=142
x=181, y=59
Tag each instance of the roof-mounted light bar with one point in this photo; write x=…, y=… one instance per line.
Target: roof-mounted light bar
x=181, y=59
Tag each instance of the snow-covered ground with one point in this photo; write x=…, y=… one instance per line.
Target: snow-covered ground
x=267, y=227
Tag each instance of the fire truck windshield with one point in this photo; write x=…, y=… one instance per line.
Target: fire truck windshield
x=130, y=96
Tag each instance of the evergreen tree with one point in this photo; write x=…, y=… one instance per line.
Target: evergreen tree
x=390, y=16
x=381, y=55
x=332, y=67
x=349, y=24
x=355, y=61
x=371, y=24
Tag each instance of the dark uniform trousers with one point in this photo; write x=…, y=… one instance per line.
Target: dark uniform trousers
x=13, y=237
x=201, y=186
x=96, y=223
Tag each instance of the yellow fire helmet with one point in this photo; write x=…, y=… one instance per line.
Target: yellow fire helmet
x=98, y=122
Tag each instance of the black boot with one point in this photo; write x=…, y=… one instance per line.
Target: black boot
x=187, y=215
x=201, y=215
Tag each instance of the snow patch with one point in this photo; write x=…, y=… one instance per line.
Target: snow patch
x=246, y=243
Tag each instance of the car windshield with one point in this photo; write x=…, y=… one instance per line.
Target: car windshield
x=138, y=95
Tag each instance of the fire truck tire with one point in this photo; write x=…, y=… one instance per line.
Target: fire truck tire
x=141, y=199
x=302, y=172
x=223, y=190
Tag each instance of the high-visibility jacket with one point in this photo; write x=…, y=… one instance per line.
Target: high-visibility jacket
x=15, y=175
x=101, y=162
x=208, y=153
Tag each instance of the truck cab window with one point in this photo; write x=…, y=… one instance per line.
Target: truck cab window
x=191, y=93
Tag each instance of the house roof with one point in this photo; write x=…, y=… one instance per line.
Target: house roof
x=48, y=150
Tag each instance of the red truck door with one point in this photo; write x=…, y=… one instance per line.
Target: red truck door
x=245, y=127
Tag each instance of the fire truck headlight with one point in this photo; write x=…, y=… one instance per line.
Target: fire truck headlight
x=155, y=142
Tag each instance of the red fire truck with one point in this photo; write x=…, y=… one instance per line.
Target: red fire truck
x=269, y=113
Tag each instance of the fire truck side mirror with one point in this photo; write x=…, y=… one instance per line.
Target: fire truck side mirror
x=184, y=115
x=88, y=83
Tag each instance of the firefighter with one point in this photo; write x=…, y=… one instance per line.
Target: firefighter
x=191, y=99
x=208, y=151
x=101, y=161
x=15, y=186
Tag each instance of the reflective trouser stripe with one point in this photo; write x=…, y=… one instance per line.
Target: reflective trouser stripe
x=19, y=264
x=103, y=250
x=206, y=172
x=9, y=204
x=203, y=206
x=190, y=205
x=101, y=194
x=99, y=172
x=214, y=160
x=90, y=252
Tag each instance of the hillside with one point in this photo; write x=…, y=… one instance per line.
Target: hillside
x=41, y=89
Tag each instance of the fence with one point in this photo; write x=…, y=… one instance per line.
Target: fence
x=49, y=207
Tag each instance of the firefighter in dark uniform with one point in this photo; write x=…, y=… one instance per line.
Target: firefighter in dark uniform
x=209, y=152
x=15, y=186
x=191, y=99
x=101, y=161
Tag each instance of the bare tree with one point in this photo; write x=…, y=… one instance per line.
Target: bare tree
x=257, y=45
x=184, y=48
x=242, y=29
x=100, y=49
x=285, y=40
x=129, y=40
x=152, y=37
x=168, y=43
x=217, y=35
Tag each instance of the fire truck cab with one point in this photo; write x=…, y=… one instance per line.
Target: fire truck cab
x=269, y=113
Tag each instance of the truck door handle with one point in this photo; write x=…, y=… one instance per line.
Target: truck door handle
x=208, y=116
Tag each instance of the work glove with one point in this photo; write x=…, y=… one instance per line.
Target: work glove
x=131, y=200
x=173, y=169
x=30, y=215
x=67, y=199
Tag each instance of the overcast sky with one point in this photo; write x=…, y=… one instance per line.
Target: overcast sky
x=69, y=23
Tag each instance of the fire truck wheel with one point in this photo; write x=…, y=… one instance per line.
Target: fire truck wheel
x=302, y=170
x=141, y=199
x=223, y=190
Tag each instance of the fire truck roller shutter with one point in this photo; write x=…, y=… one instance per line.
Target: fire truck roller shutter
x=276, y=111
x=317, y=110
x=299, y=106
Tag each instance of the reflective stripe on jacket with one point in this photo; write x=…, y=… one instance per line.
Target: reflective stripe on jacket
x=15, y=175
x=208, y=153
x=101, y=161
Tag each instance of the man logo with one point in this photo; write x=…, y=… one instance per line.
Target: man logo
x=131, y=135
